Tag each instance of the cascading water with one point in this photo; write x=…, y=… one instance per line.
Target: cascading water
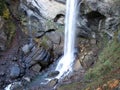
x=65, y=64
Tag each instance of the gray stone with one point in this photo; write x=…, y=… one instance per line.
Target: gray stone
x=43, y=58
x=55, y=37
x=26, y=48
x=14, y=71
x=53, y=74
x=27, y=79
x=14, y=86
x=53, y=82
x=36, y=68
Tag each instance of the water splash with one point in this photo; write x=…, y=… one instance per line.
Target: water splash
x=65, y=64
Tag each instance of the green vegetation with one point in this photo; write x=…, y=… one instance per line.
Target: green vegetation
x=4, y=11
x=44, y=41
x=108, y=63
x=9, y=26
x=9, y=30
x=72, y=86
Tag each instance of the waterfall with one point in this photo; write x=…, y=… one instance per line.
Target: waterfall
x=65, y=64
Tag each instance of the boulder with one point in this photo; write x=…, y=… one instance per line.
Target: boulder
x=36, y=68
x=38, y=58
x=14, y=86
x=55, y=37
x=27, y=48
x=53, y=82
x=53, y=74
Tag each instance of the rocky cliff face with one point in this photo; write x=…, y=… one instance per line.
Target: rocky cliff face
x=43, y=21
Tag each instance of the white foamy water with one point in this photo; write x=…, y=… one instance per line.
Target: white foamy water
x=65, y=64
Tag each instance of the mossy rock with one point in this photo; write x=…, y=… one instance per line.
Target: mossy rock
x=4, y=11
x=10, y=29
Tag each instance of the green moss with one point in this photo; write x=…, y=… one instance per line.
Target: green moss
x=43, y=42
x=109, y=61
x=4, y=11
x=9, y=30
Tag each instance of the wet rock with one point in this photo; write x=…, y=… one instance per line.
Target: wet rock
x=53, y=74
x=36, y=68
x=14, y=86
x=14, y=71
x=53, y=82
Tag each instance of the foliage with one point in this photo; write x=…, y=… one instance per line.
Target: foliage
x=4, y=11
x=43, y=42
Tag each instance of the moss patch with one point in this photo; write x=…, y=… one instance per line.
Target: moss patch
x=4, y=11
x=9, y=30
